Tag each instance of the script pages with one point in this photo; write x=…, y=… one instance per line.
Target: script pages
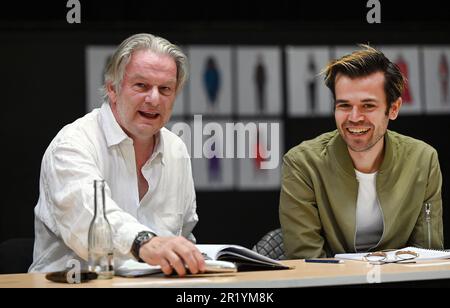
x=244, y=258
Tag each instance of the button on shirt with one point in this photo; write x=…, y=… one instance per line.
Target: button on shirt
x=95, y=147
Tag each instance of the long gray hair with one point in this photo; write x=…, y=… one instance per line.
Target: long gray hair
x=115, y=68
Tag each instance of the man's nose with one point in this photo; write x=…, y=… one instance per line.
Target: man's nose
x=152, y=96
x=355, y=115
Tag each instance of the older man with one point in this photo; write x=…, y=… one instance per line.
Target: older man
x=150, y=197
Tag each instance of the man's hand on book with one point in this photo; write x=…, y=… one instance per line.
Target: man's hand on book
x=173, y=253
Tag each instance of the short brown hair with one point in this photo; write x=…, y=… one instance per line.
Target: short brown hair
x=364, y=62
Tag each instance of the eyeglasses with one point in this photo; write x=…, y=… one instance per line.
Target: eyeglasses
x=381, y=257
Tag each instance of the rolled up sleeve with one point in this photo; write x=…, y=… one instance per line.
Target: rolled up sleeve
x=68, y=179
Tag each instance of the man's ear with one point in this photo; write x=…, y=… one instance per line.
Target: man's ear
x=395, y=109
x=112, y=94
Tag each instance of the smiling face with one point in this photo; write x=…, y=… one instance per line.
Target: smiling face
x=360, y=111
x=147, y=94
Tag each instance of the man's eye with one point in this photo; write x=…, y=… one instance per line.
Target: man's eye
x=343, y=106
x=368, y=106
x=140, y=85
x=166, y=90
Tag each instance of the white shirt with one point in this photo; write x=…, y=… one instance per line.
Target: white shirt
x=369, y=218
x=95, y=147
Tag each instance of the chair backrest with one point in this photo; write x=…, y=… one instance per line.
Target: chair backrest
x=271, y=245
x=16, y=255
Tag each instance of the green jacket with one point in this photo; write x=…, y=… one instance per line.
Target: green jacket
x=319, y=193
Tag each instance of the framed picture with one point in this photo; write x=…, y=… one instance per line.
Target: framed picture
x=207, y=144
x=407, y=59
x=260, y=168
x=97, y=58
x=210, y=80
x=340, y=51
x=437, y=79
x=307, y=93
x=259, y=82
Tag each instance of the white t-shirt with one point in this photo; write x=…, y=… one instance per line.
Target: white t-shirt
x=369, y=218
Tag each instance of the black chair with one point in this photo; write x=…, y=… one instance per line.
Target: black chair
x=16, y=255
x=271, y=245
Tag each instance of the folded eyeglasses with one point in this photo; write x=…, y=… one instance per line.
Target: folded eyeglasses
x=381, y=257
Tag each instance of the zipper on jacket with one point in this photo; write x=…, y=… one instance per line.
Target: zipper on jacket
x=428, y=222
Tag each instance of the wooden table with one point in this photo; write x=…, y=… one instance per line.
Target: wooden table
x=303, y=275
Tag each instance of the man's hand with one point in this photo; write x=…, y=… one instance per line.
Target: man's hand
x=173, y=253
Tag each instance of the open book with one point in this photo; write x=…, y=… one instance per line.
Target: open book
x=422, y=254
x=244, y=258
x=218, y=259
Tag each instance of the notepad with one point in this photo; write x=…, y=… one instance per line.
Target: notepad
x=423, y=254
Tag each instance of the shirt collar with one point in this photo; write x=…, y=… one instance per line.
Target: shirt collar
x=114, y=134
x=159, y=146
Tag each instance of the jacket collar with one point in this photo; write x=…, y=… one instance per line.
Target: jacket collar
x=339, y=150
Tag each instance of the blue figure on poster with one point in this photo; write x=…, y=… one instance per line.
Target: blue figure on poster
x=211, y=81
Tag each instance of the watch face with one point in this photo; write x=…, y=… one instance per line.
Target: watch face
x=143, y=237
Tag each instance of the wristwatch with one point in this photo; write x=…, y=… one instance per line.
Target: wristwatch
x=142, y=238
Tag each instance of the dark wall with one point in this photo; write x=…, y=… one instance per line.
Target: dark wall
x=43, y=87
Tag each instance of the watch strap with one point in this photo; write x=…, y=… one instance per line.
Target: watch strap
x=140, y=239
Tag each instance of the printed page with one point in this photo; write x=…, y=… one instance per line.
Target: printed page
x=236, y=253
x=211, y=251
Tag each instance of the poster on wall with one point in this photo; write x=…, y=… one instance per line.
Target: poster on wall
x=207, y=143
x=307, y=93
x=97, y=58
x=260, y=169
x=259, y=81
x=437, y=79
x=407, y=59
x=340, y=51
x=210, y=80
